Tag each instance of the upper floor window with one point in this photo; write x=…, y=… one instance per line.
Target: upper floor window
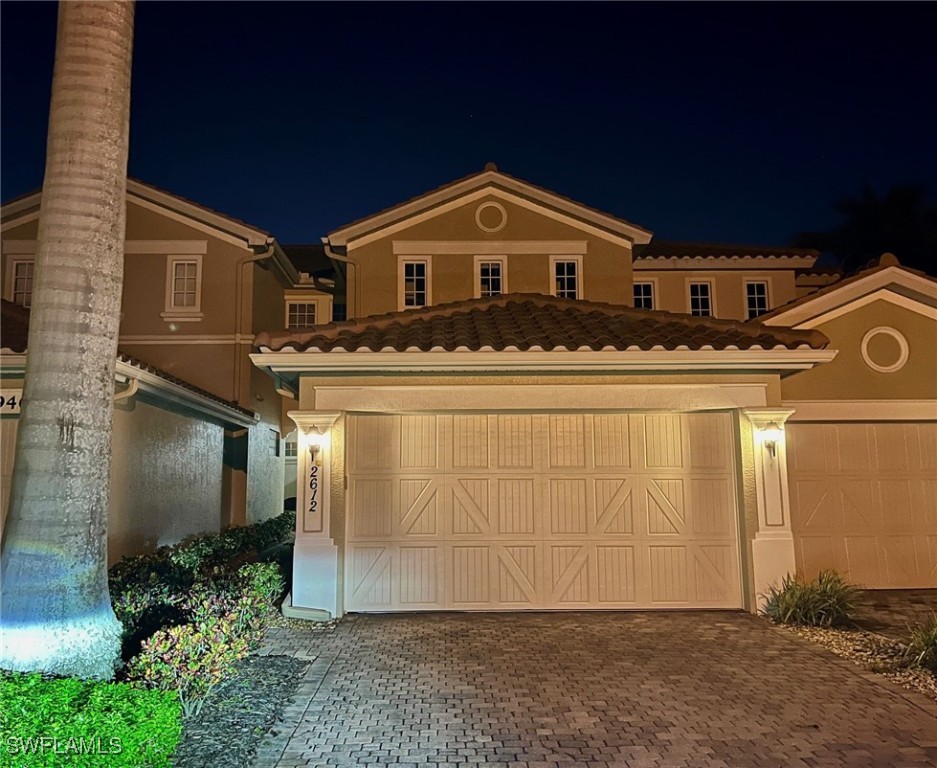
x=183, y=288
x=490, y=277
x=701, y=299
x=291, y=449
x=415, y=283
x=21, y=282
x=644, y=295
x=300, y=315
x=566, y=277
x=756, y=298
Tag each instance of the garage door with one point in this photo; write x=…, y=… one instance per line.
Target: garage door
x=864, y=501
x=551, y=511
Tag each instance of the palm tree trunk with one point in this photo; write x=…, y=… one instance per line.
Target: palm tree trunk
x=55, y=612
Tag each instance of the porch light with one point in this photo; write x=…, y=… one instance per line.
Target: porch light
x=770, y=435
x=314, y=440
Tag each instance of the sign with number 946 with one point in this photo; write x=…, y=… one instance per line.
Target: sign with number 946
x=10, y=400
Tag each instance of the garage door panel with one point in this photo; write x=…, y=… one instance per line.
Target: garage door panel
x=613, y=509
x=877, y=502
x=502, y=520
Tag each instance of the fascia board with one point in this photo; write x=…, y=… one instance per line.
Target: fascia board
x=484, y=183
x=662, y=361
x=834, y=299
x=169, y=393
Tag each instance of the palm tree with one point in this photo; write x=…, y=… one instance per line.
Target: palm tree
x=902, y=222
x=55, y=612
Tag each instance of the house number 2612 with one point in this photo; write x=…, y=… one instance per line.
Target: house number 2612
x=313, y=489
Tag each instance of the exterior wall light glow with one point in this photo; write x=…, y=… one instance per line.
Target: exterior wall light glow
x=770, y=436
x=313, y=440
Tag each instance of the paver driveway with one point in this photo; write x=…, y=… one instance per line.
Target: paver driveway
x=596, y=689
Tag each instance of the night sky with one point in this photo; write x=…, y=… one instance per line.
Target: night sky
x=716, y=122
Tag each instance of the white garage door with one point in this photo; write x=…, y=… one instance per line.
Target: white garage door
x=524, y=511
x=864, y=501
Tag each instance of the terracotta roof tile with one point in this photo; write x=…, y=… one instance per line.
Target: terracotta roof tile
x=663, y=249
x=524, y=322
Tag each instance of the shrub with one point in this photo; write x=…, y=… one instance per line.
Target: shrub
x=190, y=659
x=922, y=645
x=71, y=722
x=827, y=601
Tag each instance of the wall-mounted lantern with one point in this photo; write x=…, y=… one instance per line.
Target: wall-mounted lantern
x=771, y=435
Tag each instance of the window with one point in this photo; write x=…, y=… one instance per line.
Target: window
x=490, y=276
x=701, y=299
x=183, y=288
x=756, y=298
x=290, y=449
x=415, y=284
x=275, y=442
x=22, y=282
x=644, y=295
x=566, y=278
x=300, y=315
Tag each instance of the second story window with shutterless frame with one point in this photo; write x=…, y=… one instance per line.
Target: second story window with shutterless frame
x=414, y=288
x=566, y=277
x=643, y=295
x=756, y=298
x=491, y=278
x=183, y=289
x=701, y=298
x=21, y=281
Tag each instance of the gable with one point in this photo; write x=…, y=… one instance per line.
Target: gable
x=488, y=184
x=886, y=351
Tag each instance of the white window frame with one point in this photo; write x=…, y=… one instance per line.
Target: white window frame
x=751, y=281
x=479, y=260
x=651, y=281
x=12, y=263
x=290, y=449
x=401, y=261
x=580, y=293
x=712, y=295
x=298, y=300
x=183, y=314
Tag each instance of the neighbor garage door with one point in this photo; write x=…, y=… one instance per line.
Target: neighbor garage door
x=522, y=511
x=864, y=501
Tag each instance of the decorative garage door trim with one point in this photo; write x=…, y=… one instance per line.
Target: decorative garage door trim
x=513, y=511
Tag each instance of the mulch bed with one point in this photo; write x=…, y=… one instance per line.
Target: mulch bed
x=238, y=714
x=876, y=653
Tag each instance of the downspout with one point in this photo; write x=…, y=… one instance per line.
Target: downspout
x=344, y=260
x=126, y=394
x=239, y=313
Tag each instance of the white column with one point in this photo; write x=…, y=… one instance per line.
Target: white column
x=315, y=557
x=773, y=547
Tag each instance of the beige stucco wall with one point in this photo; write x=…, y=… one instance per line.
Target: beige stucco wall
x=165, y=478
x=848, y=377
x=673, y=292
x=606, y=266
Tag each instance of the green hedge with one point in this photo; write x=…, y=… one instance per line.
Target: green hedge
x=71, y=722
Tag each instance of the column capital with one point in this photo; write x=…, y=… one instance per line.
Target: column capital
x=321, y=420
x=762, y=417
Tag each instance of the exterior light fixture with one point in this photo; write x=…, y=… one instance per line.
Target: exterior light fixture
x=770, y=436
x=314, y=440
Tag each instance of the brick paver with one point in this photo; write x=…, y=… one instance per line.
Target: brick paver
x=590, y=689
x=891, y=612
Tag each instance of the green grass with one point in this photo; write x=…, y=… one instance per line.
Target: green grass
x=46, y=722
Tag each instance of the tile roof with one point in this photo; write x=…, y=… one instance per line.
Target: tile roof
x=885, y=261
x=14, y=333
x=528, y=321
x=664, y=249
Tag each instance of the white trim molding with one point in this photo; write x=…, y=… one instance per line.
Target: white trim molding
x=769, y=293
x=184, y=314
x=903, y=351
x=496, y=206
x=403, y=259
x=494, y=259
x=863, y=410
x=488, y=247
x=691, y=281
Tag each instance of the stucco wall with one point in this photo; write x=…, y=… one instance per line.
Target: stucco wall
x=606, y=267
x=848, y=377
